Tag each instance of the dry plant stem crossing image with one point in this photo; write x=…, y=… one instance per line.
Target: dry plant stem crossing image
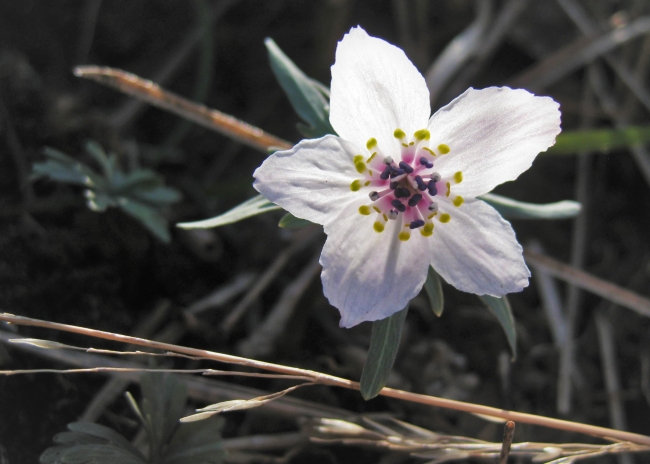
x=334, y=231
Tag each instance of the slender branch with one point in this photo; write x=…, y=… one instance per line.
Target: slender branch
x=603, y=432
x=152, y=93
x=586, y=281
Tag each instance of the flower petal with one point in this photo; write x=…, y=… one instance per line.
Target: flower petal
x=494, y=135
x=477, y=252
x=375, y=90
x=368, y=275
x=311, y=180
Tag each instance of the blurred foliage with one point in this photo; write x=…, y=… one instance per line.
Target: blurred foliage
x=170, y=442
x=140, y=193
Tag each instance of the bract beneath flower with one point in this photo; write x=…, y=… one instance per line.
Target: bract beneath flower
x=395, y=191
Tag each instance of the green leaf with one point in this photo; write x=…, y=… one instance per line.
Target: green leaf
x=306, y=97
x=384, y=343
x=99, y=431
x=602, y=140
x=500, y=307
x=148, y=216
x=513, y=209
x=62, y=168
x=433, y=287
x=289, y=221
x=253, y=207
x=196, y=442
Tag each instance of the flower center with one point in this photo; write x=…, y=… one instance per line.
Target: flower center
x=408, y=189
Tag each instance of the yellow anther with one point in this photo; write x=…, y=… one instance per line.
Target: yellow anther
x=429, y=150
x=443, y=149
x=448, y=189
x=371, y=143
x=385, y=217
x=370, y=172
x=445, y=218
x=458, y=177
x=427, y=230
x=376, y=209
x=364, y=209
x=432, y=215
x=371, y=157
x=458, y=201
x=405, y=145
x=367, y=183
x=422, y=134
x=355, y=185
x=404, y=236
x=359, y=164
x=378, y=226
x=411, y=144
x=399, y=134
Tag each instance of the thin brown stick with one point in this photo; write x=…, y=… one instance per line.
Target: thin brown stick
x=586, y=281
x=152, y=93
x=325, y=379
x=508, y=435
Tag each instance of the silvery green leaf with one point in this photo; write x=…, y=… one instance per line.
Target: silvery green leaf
x=289, y=221
x=500, y=307
x=599, y=140
x=256, y=205
x=433, y=287
x=306, y=97
x=384, y=342
x=513, y=209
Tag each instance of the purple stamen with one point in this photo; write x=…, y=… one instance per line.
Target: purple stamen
x=374, y=196
x=405, y=166
x=392, y=214
x=421, y=184
x=426, y=162
x=415, y=199
x=399, y=206
x=393, y=185
x=433, y=190
x=385, y=173
x=401, y=192
x=397, y=172
x=416, y=224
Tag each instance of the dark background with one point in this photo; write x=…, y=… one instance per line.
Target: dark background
x=60, y=261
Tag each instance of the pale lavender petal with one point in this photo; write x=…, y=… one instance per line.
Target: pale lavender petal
x=477, y=251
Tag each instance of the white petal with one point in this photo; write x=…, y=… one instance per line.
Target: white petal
x=477, y=251
x=368, y=275
x=375, y=90
x=311, y=180
x=494, y=135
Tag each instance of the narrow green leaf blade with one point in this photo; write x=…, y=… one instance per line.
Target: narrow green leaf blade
x=513, y=209
x=253, y=207
x=384, y=343
x=305, y=96
x=500, y=307
x=289, y=221
x=433, y=287
x=600, y=140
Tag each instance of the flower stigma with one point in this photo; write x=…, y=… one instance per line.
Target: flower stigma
x=406, y=190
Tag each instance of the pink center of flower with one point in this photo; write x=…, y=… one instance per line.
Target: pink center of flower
x=407, y=189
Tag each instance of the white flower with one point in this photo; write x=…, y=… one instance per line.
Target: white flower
x=396, y=190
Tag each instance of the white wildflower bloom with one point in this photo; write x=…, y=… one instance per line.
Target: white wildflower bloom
x=395, y=191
